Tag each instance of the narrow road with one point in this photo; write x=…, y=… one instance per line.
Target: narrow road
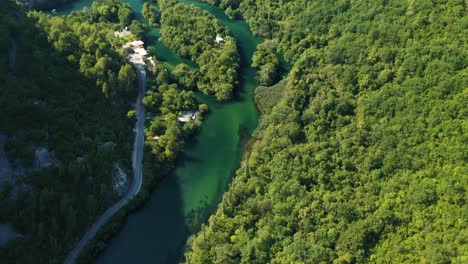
x=137, y=158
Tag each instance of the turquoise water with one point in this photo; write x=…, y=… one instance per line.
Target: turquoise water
x=185, y=199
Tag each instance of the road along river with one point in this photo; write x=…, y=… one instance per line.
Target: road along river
x=137, y=157
x=185, y=199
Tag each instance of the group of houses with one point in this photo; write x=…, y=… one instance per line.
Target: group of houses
x=137, y=52
x=138, y=55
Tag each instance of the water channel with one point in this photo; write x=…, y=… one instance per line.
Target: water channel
x=185, y=199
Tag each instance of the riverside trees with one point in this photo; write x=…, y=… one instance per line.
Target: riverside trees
x=151, y=14
x=165, y=101
x=71, y=91
x=265, y=60
x=192, y=32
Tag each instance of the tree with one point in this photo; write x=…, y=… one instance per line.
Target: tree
x=268, y=64
x=127, y=79
x=185, y=76
x=354, y=159
x=137, y=28
x=125, y=15
x=150, y=13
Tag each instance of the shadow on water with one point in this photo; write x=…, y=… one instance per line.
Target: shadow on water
x=164, y=227
x=187, y=197
x=186, y=158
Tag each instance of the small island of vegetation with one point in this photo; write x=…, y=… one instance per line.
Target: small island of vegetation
x=196, y=34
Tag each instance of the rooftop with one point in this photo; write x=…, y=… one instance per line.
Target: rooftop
x=187, y=116
x=140, y=51
x=219, y=40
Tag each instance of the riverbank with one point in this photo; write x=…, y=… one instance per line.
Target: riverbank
x=186, y=198
x=137, y=181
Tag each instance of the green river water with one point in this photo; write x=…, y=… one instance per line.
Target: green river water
x=185, y=199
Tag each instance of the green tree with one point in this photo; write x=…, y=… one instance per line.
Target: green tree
x=127, y=79
x=185, y=76
x=125, y=15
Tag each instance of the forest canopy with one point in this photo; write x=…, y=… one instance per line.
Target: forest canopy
x=364, y=159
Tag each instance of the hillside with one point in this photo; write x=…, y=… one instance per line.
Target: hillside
x=364, y=158
x=65, y=130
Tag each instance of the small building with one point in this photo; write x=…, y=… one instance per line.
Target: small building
x=187, y=117
x=220, y=40
x=150, y=59
x=137, y=51
x=122, y=33
x=137, y=43
x=140, y=51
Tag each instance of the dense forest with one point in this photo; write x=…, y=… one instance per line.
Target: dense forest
x=364, y=158
x=360, y=157
x=65, y=90
x=83, y=37
x=192, y=32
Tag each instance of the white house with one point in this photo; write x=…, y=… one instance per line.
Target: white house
x=220, y=40
x=140, y=51
x=187, y=116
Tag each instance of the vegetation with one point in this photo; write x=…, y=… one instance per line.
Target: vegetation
x=165, y=137
x=137, y=29
x=151, y=14
x=83, y=37
x=70, y=91
x=364, y=160
x=49, y=99
x=165, y=101
x=264, y=59
x=191, y=32
x=186, y=76
x=267, y=97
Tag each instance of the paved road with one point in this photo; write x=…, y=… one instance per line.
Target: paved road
x=137, y=158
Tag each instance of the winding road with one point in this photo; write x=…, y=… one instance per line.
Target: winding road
x=137, y=158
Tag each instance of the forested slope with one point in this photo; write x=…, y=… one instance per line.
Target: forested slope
x=79, y=114
x=364, y=160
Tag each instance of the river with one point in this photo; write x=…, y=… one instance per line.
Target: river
x=186, y=198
